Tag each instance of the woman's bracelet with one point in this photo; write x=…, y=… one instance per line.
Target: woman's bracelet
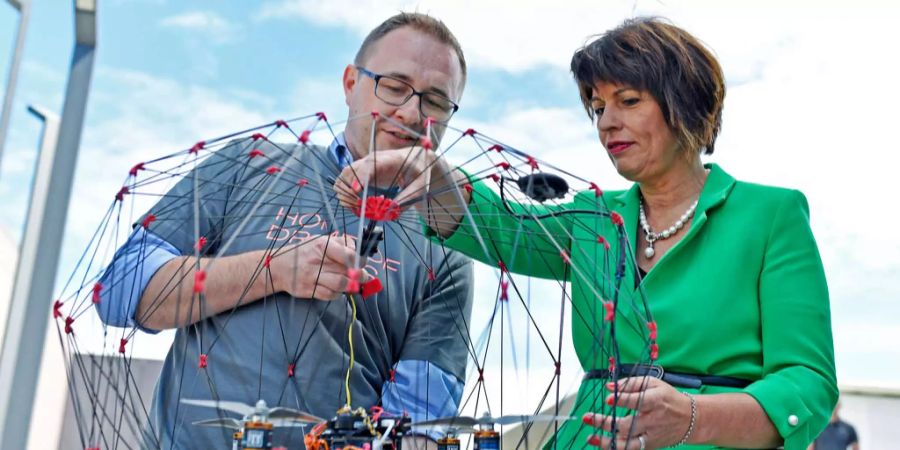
x=690, y=430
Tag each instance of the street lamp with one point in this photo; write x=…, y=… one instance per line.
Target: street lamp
x=36, y=274
x=24, y=8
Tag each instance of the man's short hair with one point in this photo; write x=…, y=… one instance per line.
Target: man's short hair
x=419, y=22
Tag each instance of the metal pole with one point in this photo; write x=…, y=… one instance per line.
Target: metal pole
x=24, y=8
x=36, y=274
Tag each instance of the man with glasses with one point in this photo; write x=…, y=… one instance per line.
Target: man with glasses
x=267, y=337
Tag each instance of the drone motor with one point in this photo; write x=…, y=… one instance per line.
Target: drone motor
x=448, y=443
x=543, y=186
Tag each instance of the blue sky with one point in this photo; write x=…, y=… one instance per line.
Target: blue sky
x=811, y=105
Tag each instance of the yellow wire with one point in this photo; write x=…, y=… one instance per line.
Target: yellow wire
x=350, y=338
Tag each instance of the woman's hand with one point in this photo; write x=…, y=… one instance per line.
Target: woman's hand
x=662, y=415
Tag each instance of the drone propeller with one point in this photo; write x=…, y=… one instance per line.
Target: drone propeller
x=280, y=412
x=234, y=424
x=227, y=422
x=276, y=413
x=236, y=407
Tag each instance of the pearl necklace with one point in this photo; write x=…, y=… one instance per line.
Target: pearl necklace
x=650, y=236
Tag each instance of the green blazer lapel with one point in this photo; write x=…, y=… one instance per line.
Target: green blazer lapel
x=715, y=191
x=718, y=185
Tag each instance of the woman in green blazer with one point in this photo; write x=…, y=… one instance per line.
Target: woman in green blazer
x=733, y=277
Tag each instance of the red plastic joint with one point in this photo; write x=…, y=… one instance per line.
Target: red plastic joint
x=122, y=193
x=95, y=296
x=92, y=448
x=281, y=123
x=379, y=208
x=122, y=343
x=134, y=169
x=353, y=280
x=654, y=351
x=602, y=241
x=652, y=327
x=431, y=276
x=612, y=365
x=470, y=132
x=610, y=311
x=148, y=220
x=616, y=218
x=199, y=281
x=495, y=177
x=375, y=114
x=533, y=163
x=197, y=147
x=376, y=412
x=565, y=257
x=597, y=191
x=255, y=152
x=304, y=136
x=202, y=363
x=291, y=367
x=303, y=182
x=200, y=243
x=272, y=170
x=56, y=309
x=504, y=287
x=497, y=147
x=267, y=261
x=68, y=327
x=426, y=143
x=322, y=116
x=502, y=165
x=502, y=266
x=392, y=375
x=371, y=287
x=468, y=187
x=258, y=136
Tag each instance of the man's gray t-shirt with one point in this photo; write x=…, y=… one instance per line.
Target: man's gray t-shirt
x=295, y=352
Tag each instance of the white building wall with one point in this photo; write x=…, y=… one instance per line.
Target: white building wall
x=875, y=413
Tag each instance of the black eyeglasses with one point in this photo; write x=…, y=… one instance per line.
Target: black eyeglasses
x=397, y=92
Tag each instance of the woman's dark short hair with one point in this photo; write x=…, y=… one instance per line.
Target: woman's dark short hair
x=676, y=68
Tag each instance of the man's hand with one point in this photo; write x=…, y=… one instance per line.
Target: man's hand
x=316, y=268
x=409, y=168
x=425, y=179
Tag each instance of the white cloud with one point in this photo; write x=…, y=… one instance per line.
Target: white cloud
x=320, y=94
x=521, y=35
x=206, y=23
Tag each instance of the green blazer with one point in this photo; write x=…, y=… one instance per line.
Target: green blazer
x=743, y=294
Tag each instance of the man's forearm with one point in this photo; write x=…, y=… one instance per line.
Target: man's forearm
x=169, y=300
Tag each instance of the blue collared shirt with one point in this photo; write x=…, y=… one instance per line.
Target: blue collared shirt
x=420, y=388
